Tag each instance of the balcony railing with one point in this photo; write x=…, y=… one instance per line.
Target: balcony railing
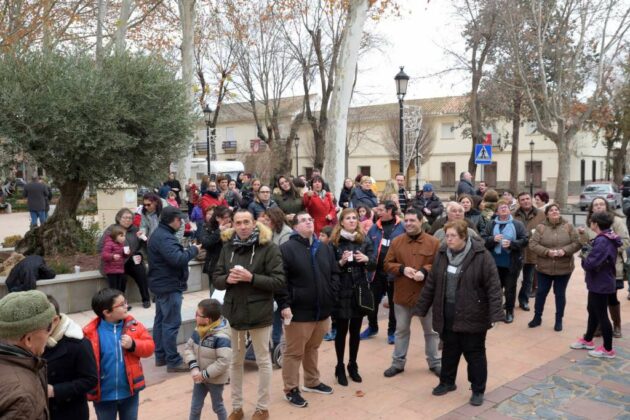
x=229, y=146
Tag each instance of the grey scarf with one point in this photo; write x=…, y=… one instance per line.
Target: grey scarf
x=456, y=260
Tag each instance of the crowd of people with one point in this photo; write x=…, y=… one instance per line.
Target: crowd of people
x=295, y=266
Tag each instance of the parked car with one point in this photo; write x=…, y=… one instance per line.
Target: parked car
x=625, y=186
x=606, y=190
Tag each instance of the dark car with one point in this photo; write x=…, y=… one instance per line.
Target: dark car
x=625, y=186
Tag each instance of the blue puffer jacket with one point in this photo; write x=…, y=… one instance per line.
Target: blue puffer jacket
x=376, y=236
x=168, y=261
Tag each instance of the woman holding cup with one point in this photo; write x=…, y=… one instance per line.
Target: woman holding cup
x=353, y=250
x=134, y=266
x=554, y=242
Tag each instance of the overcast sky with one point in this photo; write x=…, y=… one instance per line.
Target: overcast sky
x=416, y=40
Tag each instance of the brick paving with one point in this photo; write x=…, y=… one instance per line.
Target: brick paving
x=523, y=365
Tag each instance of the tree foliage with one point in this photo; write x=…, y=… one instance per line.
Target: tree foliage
x=123, y=121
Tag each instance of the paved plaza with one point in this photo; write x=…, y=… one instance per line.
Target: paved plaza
x=532, y=374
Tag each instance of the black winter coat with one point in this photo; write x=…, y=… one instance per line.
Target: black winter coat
x=344, y=197
x=25, y=274
x=352, y=274
x=477, y=221
x=72, y=372
x=478, y=299
x=312, y=283
x=211, y=241
x=432, y=203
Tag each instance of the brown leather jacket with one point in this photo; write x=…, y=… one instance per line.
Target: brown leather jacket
x=407, y=252
x=478, y=300
x=548, y=236
x=23, y=388
x=530, y=220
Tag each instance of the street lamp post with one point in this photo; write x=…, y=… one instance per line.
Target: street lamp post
x=207, y=113
x=531, y=169
x=401, y=90
x=296, y=141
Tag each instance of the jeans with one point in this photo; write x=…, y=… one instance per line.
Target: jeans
x=168, y=319
x=276, y=328
x=473, y=347
x=260, y=341
x=199, y=395
x=508, y=283
x=380, y=287
x=597, y=308
x=126, y=409
x=403, y=332
x=559, y=284
x=41, y=215
x=526, y=286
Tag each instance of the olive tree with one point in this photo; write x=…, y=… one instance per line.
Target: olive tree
x=124, y=120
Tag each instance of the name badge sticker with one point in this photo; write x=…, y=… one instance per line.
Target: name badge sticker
x=385, y=242
x=452, y=269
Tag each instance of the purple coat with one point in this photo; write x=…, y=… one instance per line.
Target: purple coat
x=599, y=265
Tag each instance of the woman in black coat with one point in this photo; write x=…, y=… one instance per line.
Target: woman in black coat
x=346, y=192
x=353, y=251
x=134, y=265
x=463, y=292
x=210, y=237
x=71, y=369
x=471, y=214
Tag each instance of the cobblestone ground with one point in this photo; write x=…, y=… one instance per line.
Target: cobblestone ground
x=574, y=386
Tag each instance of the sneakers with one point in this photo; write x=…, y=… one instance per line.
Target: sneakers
x=476, y=399
x=368, y=333
x=601, y=352
x=182, y=367
x=391, y=338
x=260, y=414
x=442, y=389
x=330, y=335
x=322, y=388
x=295, y=398
x=582, y=344
x=392, y=371
x=237, y=414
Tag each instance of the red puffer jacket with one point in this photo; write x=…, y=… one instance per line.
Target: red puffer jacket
x=144, y=347
x=111, y=248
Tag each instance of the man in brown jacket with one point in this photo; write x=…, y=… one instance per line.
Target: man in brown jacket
x=25, y=324
x=409, y=259
x=531, y=217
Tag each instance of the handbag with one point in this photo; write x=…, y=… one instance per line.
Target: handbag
x=364, y=298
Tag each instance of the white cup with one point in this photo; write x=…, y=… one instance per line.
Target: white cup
x=137, y=259
x=126, y=250
x=351, y=257
x=144, y=237
x=240, y=267
x=77, y=269
x=287, y=319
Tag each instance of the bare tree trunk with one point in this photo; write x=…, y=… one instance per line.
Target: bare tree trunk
x=100, y=21
x=187, y=19
x=564, y=167
x=121, y=30
x=342, y=93
x=516, y=127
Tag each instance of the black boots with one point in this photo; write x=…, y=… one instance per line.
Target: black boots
x=558, y=325
x=353, y=371
x=340, y=374
x=535, y=322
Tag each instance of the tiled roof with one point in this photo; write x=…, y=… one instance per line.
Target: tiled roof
x=448, y=105
x=242, y=111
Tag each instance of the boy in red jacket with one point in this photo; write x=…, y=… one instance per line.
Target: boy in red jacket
x=118, y=342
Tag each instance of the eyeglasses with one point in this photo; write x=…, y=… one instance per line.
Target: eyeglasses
x=122, y=304
x=150, y=203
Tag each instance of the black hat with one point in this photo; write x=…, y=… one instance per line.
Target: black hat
x=169, y=213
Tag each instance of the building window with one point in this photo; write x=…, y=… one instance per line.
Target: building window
x=447, y=131
x=448, y=174
x=365, y=170
x=229, y=134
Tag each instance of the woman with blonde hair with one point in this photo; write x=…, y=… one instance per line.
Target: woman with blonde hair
x=390, y=192
x=354, y=253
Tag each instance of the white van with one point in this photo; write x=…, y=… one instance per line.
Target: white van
x=199, y=168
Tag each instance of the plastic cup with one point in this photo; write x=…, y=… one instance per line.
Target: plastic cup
x=126, y=250
x=77, y=269
x=137, y=259
x=351, y=257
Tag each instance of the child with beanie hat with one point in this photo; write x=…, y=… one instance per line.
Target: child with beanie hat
x=25, y=324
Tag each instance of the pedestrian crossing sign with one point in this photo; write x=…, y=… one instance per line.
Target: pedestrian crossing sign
x=483, y=154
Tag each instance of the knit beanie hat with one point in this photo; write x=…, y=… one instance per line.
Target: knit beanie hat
x=24, y=312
